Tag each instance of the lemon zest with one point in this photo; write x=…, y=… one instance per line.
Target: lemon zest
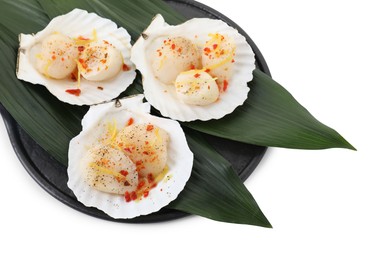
x=79, y=68
x=112, y=130
x=46, y=67
x=103, y=170
x=215, y=38
x=39, y=56
x=79, y=41
x=161, y=64
x=226, y=60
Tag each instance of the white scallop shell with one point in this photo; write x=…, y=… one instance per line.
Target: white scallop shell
x=163, y=97
x=180, y=160
x=74, y=24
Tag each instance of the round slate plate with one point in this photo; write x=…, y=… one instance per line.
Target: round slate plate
x=52, y=176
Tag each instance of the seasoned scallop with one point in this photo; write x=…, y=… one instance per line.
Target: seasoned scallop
x=80, y=57
x=168, y=82
x=127, y=162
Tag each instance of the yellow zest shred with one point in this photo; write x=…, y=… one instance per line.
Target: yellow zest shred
x=226, y=60
x=46, y=67
x=112, y=130
x=79, y=41
x=39, y=56
x=103, y=170
x=216, y=38
x=161, y=64
x=79, y=68
x=158, y=137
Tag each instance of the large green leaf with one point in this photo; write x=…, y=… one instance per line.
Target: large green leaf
x=52, y=123
x=226, y=197
x=276, y=117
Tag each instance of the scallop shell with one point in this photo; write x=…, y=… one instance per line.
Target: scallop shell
x=74, y=24
x=180, y=159
x=163, y=97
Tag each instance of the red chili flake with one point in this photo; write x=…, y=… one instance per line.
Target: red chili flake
x=53, y=57
x=124, y=173
x=138, y=163
x=215, y=46
x=207, y=70
x=153, y=185
x=232, y=61
x=127, y=150
x=225, y=85
x=82, y=61
x=221, y=52
x=207, y=49
x=149, y=127
x=62, y=59
x=100, y=88
x=125, y=67
x=133, y=195
x=150, y=177
x=140, y=184
x=73, y=76
x=146, y=142
x=106, y=42
x=145, y=152
x=146, y=193
x=103, y=61
x=173, y=46
x=192, y=67
x=130, y=121
x=197, y=75
x=160, y=53
x=75, y=92
x=127, y=196
x=179, y=50
x=126, y=183
x=165, y=41
x=222, y=38
x=81, y=48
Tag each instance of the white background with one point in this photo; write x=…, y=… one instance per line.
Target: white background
x=330, y=204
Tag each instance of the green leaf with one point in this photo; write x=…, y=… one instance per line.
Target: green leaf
x=214, y=190
x=52, y=123
x=133, y=15
x=277, y=118
x=274, y=118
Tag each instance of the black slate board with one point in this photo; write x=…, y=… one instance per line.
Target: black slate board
x=52, y=176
